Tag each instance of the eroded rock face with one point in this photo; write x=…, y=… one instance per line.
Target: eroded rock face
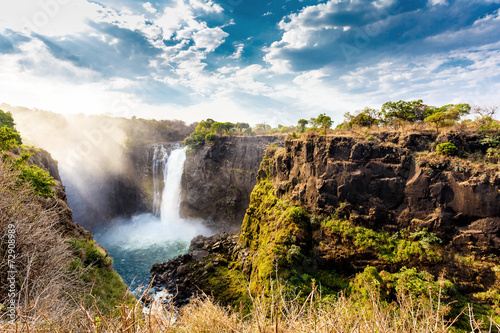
x=379, y=184
x=382, y=185
x=183, y=276
x=44, y=160
x=219, y=178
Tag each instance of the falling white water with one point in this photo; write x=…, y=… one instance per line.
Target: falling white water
x=138, y=242
x=171, y=196
x=160, y=157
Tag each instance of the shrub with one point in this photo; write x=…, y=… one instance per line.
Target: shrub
x=8, y=138
x=446, y=148
x=40, y=180
x=210, y=137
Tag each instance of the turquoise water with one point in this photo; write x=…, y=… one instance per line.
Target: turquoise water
x=136, y=244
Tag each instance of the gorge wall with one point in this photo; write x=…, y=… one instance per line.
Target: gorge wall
x=390, y=181
x=219, y=177
x=333, y=210
x=58, y=202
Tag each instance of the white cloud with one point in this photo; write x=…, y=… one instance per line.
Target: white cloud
x=238, y=52
x=209, y=38
x=149, y=7
x=48, y=17
x=432, y=3
x=206, y=6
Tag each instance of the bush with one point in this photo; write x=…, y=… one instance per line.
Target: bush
x=446, y=148
x=8, y=138
x=40, y=180
x=210, y=137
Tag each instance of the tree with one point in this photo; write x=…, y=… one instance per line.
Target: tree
x=402, y=110
x=6, y=119
x=262, y=128
x=447, y=115
x=323, y=121
x=363, y=118
x=485, y=117
x=241, y=127
x=218, y=128
x=198, y=136
x=228, y=126
x=302, y=124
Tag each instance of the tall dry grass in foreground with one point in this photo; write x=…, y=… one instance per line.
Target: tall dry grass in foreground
x=44, y=284
x=269, y=315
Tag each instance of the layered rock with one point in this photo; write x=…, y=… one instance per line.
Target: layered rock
x=219, y=178
x=326, y=207
x=384, y=183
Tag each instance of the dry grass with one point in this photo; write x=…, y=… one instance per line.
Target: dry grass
x=275, y=314
x=44, y=285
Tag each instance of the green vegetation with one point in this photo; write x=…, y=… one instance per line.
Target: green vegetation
x=322, y=121
x=402, y=247
x=302, y=123
x=411, y=111
x=447, y=115
x=36, y=177
x=446, y=148
x=209, y=129
x=406, y=112
x=95, y=268
x=364, y=118
x=7, y=122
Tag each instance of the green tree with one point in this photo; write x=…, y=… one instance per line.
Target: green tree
x=241, y=127
x=218, y=128
x=447, y=115
x=262, y=128
x=363, y=118
x=323, y=121
x=198, y=136
x=6, y=119
x=302, y=123
x=403, y=110
x=228, y=126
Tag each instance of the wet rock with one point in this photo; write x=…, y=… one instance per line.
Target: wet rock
x=180, y=276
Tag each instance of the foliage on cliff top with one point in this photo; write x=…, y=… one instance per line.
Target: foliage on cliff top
x=36, y=177
x=7, y=121
x=207, y=130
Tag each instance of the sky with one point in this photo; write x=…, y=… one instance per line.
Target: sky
x=255, y=61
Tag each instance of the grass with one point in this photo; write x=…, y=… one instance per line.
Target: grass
x=281, y=312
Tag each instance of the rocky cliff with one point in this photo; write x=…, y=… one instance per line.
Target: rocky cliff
x=390, y=181
x=59, y=202
x=219, y=178
x=336, y=211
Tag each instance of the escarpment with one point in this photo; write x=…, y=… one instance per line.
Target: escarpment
x=332, y=211
x=388, y=182
x=219, y=178
x=59, y=201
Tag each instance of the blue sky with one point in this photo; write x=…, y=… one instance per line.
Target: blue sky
x=242, y=60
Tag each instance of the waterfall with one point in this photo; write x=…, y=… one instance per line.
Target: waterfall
x=171, y=196
x=160, y=157
x=167, y=175
x=136, y=243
